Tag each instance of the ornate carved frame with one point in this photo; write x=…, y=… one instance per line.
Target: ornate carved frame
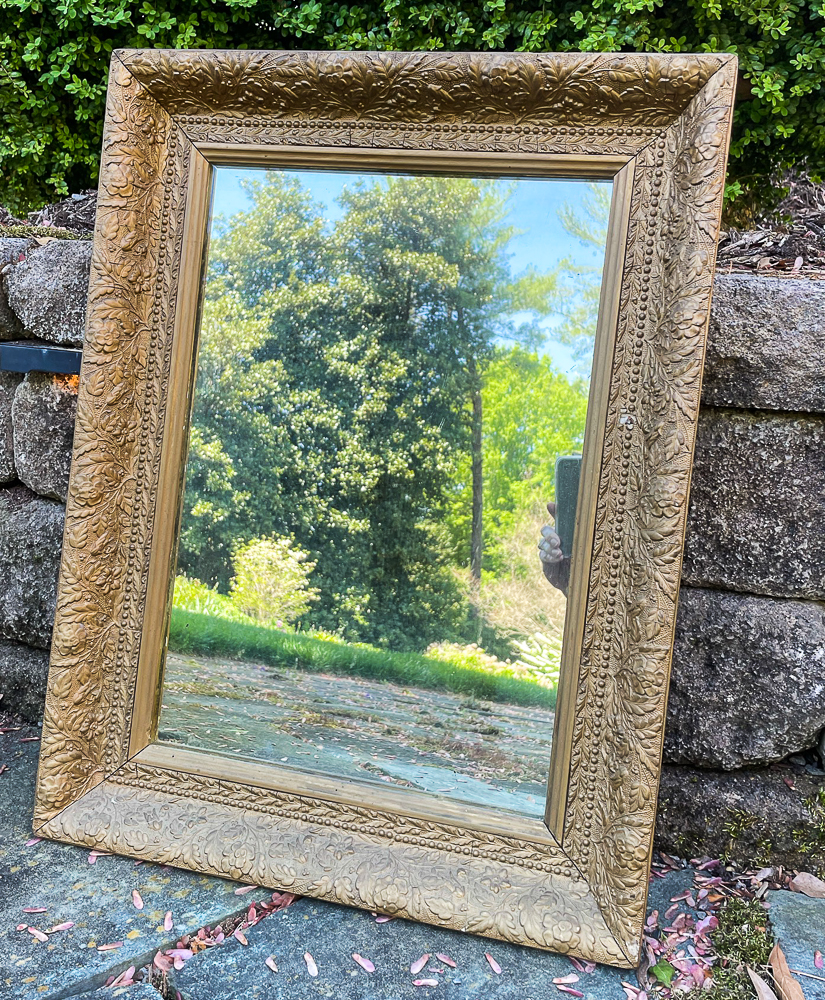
x=659, y=126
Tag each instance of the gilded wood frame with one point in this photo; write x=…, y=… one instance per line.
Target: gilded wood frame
x=659, y=126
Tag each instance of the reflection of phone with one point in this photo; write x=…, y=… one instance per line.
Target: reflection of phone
x=568, y=470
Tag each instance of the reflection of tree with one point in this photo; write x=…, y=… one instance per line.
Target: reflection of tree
x=532, y=414
x=334, y=402
x=580, y=286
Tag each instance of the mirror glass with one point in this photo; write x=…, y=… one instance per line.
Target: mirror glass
x=387, y=421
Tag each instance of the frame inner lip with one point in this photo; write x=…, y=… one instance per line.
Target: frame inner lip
x=601, y=166
x=352, y=792
x=572, y=166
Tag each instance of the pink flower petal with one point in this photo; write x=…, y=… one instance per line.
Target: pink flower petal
x=34, y=909
x=383, y=920
x=283, y=899
x=445, y=959
x=493, y=963
x=244, y=889
x=239, y=934
x=137, y=900
x=425, y=982
x=163, y=962
x=571, y=978
x=167, y=921
x=110, y=947
x=32, y=841
x=270, y=963
x=591, y=966
x=818, y=959
x=365, y=963
x=184, y=953
x=698, y=974
x=37, y=934
x=419, y=963
x=126, y=978
x=312, y=968
x=64, y=926
x=572, y=992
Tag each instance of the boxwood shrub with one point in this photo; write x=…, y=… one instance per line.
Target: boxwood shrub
x=54, y=58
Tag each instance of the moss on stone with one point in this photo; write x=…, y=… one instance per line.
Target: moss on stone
x=811, y=838
x=743, y=940
x=739, y=820
x=24, y=232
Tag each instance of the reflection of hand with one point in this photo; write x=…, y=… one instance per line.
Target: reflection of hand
x=554, y=562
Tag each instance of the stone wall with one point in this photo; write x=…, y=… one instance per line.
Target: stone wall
x=43, y=286
x=745, y=737
x=744, y=744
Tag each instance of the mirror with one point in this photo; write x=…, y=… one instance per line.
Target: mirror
x=387, y=422
x=324, y=404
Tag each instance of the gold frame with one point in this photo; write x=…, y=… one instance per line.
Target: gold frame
x=659, y=126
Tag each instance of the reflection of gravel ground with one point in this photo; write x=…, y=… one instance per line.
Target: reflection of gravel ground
x=483, y=752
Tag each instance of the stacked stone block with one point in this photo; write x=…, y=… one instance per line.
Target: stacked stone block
x=748, y=682
x=43, y=288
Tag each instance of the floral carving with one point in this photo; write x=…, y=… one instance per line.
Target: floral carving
x=669, y=117
x=586, y=90
x=216, y=830
x=641, y=515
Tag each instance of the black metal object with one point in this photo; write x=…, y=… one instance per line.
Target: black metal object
x=30, y=356
x=568, y=471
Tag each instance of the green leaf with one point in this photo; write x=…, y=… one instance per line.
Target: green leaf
x=663, y=971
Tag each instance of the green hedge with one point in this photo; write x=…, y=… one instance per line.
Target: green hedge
x=54, y=57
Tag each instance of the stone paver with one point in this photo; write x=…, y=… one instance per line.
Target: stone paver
x=799, y=927
x=96, y=898
x=332, y=933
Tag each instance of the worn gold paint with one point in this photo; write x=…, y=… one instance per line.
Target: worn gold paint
x=659, y=126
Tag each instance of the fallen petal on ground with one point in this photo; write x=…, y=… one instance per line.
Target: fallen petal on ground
x=493, y=963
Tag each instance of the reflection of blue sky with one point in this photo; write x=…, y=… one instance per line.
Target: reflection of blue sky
x=541, y=240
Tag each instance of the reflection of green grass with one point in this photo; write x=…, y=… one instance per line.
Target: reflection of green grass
x=206, y=635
